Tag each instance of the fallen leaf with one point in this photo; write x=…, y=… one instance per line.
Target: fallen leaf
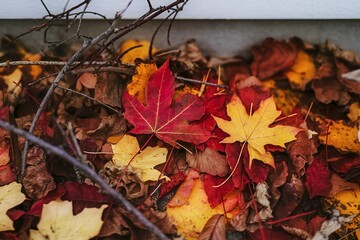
x=354, y=112
x=168, y=120
x=270, y=234
x=301, y=151
x=10, y=196
x=286, y=100
x=191, y=218
x=214, y=229
x=190, y=55
x=339, y=185
x=182, y=194
x=272, y=57
x=87, y=80
x=263, y=198
x=109, y=89
x=304, y=228
x=302, y=71
x=37, y=180
x=140, y=52
x=347, y=202
x=340, y=135
x=209, y=161
x=4, y=153
x=12, y=81
x=216, y=195
x=7, y=175
x=331, y=225
x=328, y=90
x=276, y=179
x=58, y=222
x=350, y=230
x=291, y=194
x=137, y=87
x=127, y=151
x=254, y=129
x=318, y=177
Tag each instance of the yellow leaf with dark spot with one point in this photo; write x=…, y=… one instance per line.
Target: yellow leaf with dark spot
x=348, y=204
x=137, y=87
x=286, y=100
x=139, y=52
x=339, y=135
x=302, y=71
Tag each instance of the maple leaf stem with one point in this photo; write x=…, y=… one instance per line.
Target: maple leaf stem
x=233, y=171
x=283, y=118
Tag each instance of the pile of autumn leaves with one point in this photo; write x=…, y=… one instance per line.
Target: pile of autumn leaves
x=236, y=161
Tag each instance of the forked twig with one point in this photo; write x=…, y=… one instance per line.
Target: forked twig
x=59, y=77
x=88, y=172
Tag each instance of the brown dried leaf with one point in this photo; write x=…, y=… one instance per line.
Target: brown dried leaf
x=4, y=153
x=109, y=89
x=291, y=195
x=301, y=151
x=191, y=55
x=273, y=57
x=7, y=175
x=109, y=125
x=37, y=180
x=328, y=90
x=209, y=161
x=277, y=179
x=339, y=184
x=214, y=229
x=87, y=80
x=114, y=224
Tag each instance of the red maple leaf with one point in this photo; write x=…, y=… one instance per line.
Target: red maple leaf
x=169, y=120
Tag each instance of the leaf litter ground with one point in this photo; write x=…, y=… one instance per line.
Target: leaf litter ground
x=258, y=148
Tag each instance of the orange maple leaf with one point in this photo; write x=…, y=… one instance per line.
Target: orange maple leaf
x=254, y=129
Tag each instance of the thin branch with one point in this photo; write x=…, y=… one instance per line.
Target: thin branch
x=86, y=96
x=53, y=63
x=59, y=77
x=88, y=172
x=201, y=82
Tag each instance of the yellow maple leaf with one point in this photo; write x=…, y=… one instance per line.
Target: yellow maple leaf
x=191, y=218
x=10, y=196
x=302, y=71
x=140, y=52
x=254, y=129
x=58, y=222
x=142, y=163
x=12, y=80
x=137, y=87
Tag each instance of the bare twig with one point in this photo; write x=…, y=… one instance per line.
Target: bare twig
x=54, y=63
x=64, y=70
x=89, y=173
x=86, y=96
x=201, y=82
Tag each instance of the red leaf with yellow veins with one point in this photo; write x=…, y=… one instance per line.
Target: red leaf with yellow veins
x=169, y=120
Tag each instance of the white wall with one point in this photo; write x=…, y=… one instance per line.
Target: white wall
x=198, y=9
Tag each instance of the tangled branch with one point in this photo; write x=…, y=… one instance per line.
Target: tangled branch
x=88, y=172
